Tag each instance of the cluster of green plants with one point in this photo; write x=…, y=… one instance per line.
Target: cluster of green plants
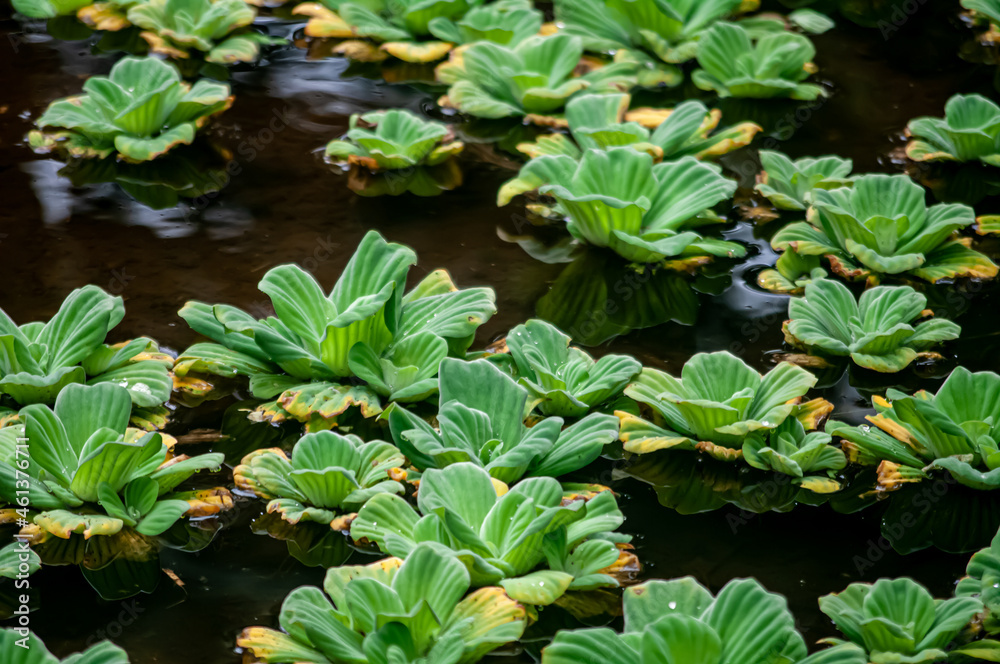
x=448, y=459
x=503, y=63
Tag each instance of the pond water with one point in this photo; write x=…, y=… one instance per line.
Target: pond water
x=281, y=204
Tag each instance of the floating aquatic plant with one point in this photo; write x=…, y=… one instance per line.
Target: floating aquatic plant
x=533, y=79
x=881, y=227
x=365, y=328
x=669, y=29
x=956, y=430
x=393, y=140
x=969, y=130
x=789, y=185
x=897, y=620
x=562, y=379
x=678, y=621
x=601, y=122
x=18, y=647
x=733, y=63
x=502, y=535
x=41, y=359
x=642, y=211
x=982, y=581
x=716, y=404
x=217, y=29
x=879, y=331
x=140, y=111
x=325, y=474
x=89, y=473
x=406, y=29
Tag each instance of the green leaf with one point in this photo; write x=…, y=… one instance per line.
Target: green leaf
x=646, y=603
x=462, y=489
x=113, y=462
x=163, y=515
x=540, y=588
x=574, y=646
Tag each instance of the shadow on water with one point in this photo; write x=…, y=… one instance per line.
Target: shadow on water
x=275, y=201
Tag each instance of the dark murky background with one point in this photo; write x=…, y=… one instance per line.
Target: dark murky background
x=284, y=205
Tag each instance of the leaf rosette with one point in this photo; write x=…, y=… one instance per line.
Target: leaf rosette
x=789, y=184
x=217, y=30
x=956, y=430
x=897, y=620
x=326, y=473
x=392, y=610
x=533, y=79
x=393, y=140
x=38, y=360
x=878, y=331
x=679, y=622
x=140, y=111
x=90, y=474
x=644, y=212
x=365, y=328
x=734, y=62
x=969, y=131
x=481, y=421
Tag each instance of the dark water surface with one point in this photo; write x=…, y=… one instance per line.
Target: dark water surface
x=283, y=204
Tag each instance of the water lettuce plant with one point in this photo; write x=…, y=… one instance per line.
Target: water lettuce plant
x=502, y=535
x=878, y=331
x=669, y=29
x=18, y=560
x=394, y=139
x=48, y=8
x=808, y=457
x=577, y=299
x=504, y=22
x=969, y=130
x=789, y=185
x=715, y=405
x=366, y=328
x=600, y=122
x=881, y=227
x=110, y=16
x=140, y=111
x=982, y=582
x=481, y=420
x=533, y=79
x=157, y=184
x=898, y=620
x=561, y=379
x=326, y=473
x=956, y=430
x=217, y=29
x=392, y=610
x=38, y=360
x=642, y=211
x=18, y=648
x=679, y=622
x=419, y=180
x=733, y=63
x=89, y=473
